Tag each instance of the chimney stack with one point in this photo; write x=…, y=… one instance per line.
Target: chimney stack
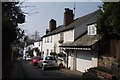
x=52, y=25
x=68, y=16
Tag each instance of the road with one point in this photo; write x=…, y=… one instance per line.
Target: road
x=25, y=70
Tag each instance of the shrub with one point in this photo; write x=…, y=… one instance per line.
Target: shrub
x=30, y=52
x=104, y=69
x=53, y=53
x=37, y=51
x=60, y=41
x=61, y=54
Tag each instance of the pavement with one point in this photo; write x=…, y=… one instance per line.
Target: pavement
x=72, y=72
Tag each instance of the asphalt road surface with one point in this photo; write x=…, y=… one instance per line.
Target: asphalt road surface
x=25, y=70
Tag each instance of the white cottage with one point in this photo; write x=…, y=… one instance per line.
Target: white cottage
x=72, y=39
x=56, y=36
x=32, y=45
x=38, y=44
x=82, y=53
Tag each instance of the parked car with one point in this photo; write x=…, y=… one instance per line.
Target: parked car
x=47, y=62
x=35, y=60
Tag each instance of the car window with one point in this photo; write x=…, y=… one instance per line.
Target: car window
x=36, y=57
x=50, y=58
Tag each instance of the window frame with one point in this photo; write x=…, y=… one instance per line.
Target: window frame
x=91, y=29
x=51, y=39
x=45, y=39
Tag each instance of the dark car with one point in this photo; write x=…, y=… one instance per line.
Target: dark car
x=35, y=60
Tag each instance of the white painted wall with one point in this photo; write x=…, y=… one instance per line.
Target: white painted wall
x=29, y=46
x=69, y=36
x=54, y=45
x=48, y=45
x=70, y=61
x=36, y=44
x=85, y=60
x=41, y=45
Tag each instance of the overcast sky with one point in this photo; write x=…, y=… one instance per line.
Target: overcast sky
x=40, y=13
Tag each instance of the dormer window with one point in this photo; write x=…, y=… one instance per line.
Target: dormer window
x=92, y=30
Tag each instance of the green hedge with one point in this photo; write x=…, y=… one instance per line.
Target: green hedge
x=30, y=52
x=53, y=53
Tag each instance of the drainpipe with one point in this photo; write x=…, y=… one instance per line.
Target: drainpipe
x=24, y=55
x=67, y=60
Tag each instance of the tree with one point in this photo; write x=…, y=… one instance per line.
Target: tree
x=30, y=52
x=108, y=26
x=37, y=52
x=35, y=36
x=109, y=23
x=11, y=16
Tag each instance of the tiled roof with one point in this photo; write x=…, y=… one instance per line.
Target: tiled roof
x=86, y=40
x=77, y=22
x=38, y=40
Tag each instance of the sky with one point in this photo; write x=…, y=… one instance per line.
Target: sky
x=40, y=13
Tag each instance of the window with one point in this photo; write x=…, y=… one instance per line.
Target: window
x=62, y=36
x=47, y=51
x=51, y=38
x=51, y=50
x=92, y=30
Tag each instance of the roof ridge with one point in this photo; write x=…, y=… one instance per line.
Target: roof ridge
x=89, y=13
x=71, y=27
